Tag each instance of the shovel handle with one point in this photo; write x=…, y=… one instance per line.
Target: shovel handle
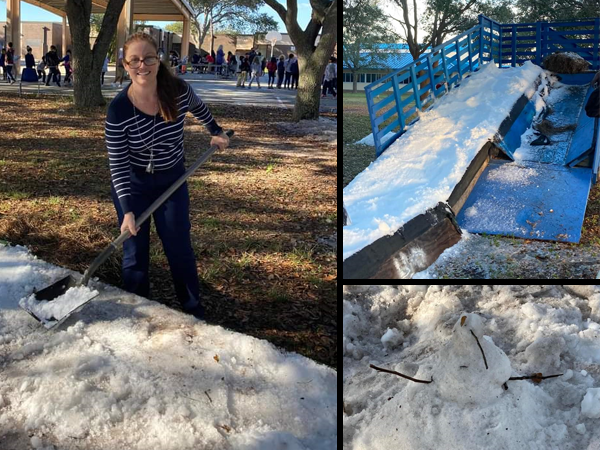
x=114, y=245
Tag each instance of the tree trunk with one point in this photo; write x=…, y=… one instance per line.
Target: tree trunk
x=87, y=63
x=354, y=82
x=312, y=58
x=308, y=98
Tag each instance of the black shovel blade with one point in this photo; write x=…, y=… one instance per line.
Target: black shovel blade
x=56, y=289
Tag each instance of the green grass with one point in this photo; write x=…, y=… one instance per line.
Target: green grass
x=300, y=256
x=278, y=294
x=355, y=127
x=210, y=223
x=356, y=159
x=358, y=99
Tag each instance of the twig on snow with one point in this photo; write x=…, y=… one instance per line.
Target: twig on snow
x=536, y=377
x=399, y=374
x=483, y=354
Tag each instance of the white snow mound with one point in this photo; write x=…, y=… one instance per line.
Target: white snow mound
x=590, y=406
x=461, y=374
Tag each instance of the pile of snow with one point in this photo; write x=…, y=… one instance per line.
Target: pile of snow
x=424, y=165
x=370, y=140
x=126, y=372
x=522, y=330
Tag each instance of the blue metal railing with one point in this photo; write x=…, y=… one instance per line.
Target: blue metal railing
x=596, y=143
x=534, y=41
x=393, y=99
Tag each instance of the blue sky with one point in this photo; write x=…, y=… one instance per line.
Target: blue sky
x=33, y=13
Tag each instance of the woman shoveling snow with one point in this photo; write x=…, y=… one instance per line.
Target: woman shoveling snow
x=144, y=138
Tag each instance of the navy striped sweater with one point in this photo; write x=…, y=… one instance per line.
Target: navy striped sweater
x=129, y=143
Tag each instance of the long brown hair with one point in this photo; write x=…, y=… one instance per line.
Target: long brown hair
x=168, y=86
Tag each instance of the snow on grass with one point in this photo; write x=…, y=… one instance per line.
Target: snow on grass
x=128, y=373
x=424, y=165
x=369, y=140
x=521, y=329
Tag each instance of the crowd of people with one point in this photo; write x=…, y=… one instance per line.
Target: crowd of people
x=283, y=72
x=37, y=71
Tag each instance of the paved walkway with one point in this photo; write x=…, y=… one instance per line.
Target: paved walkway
x=211, y=90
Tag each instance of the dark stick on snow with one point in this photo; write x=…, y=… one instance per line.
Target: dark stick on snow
x=399, y=374
x=484, y=360
x=536, y=377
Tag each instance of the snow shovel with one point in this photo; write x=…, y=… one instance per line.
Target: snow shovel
x=52, y=305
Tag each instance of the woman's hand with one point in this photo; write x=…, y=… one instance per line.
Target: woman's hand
x=129, y=224
x=222, y=141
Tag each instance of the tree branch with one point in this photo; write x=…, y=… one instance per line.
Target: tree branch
x=399, y=374
x=536, y=377
x=483, y=354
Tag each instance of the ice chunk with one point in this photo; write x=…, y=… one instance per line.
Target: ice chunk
x=36, y=442
x=568, y=375
x=391, y=338
x=580, y=428
x=590, y=406
x=584, y=373
x=594, y=303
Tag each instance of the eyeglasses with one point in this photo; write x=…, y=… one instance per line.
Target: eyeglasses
x=149, y=61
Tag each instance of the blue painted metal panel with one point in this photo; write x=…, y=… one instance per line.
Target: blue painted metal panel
x=415, y=87
x=512, y=139
x=514, y=46
x=596, y=164
x=581, y=143
x=536, y=201
x=577, y=79
x=538, y=49
x=397, y=98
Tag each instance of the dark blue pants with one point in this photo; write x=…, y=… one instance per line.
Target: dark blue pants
x=172, y=221
x=9, y=73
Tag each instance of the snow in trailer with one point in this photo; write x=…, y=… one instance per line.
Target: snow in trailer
x=424, y=165
x=471, y=367
x=125, y=372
